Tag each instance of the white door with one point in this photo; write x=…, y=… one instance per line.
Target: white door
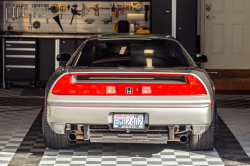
x=227, y=34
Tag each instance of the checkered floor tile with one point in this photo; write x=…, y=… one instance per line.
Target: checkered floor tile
x=16, y=93
x=129, y=154
x=228, y=147
x=10, y=92
x=13, y=127
x=233, y=101
x=20, y=103
x=32, y=148
x=235, y=111
x=16, y=117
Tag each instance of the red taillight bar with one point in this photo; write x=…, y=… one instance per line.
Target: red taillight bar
x=192, y=87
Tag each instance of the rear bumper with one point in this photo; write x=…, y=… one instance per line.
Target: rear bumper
x=59, y=116
x=98, y=110
x=101, y=115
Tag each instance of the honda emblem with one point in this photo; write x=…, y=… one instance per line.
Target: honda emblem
x=129, y=90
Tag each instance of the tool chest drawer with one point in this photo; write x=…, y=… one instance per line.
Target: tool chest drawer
x=19, y=52
x=20, y=44
x=16, y=73
x=20, y=47
x=13, y=60
x=20, y=59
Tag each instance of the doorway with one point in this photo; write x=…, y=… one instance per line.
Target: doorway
x=226, y=38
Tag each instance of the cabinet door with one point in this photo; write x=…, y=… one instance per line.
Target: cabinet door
x=46, y=58
x=67, y=45
x=187, y=25
x=161, y=17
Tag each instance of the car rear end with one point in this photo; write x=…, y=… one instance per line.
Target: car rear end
x=131, y=91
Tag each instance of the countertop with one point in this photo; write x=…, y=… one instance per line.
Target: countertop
x=52, y=35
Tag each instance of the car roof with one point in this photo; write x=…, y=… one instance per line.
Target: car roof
x=131, y=35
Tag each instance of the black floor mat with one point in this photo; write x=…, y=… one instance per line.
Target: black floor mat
x=33, y=92
x=13, y=101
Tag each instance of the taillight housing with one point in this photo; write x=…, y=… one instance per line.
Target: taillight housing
x=62, y=85
x=193, y=86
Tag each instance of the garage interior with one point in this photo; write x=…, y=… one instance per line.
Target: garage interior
x=216, y=28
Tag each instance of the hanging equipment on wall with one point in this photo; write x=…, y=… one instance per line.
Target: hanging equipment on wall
x=89, y=20
x=36, y=24
x=74, y=12
x=30, y=26
x=85, y=10
x=68, y=7
x=106, y=21
x=10, y=27
x=62, y=8
x=146, y=14
x=54, y=8
x=56, y=18
x=115, y=27
x=13, y=18
x=96, y=10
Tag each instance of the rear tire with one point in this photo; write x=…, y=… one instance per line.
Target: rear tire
x=207, y=140
x=53, y=140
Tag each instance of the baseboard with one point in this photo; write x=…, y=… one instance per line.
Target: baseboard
x=233, y=92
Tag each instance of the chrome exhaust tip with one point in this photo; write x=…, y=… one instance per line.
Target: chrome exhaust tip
x=184, y=138
x=72, y=137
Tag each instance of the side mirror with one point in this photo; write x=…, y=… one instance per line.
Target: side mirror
x=63, y=57
x=199, y=58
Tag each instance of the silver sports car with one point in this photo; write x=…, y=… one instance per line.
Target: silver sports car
x=130, y=89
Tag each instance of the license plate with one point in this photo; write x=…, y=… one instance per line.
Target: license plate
x=128, y=121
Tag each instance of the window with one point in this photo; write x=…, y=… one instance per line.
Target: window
x=132, y=53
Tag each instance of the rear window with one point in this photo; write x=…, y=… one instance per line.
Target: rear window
x=132, y=53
